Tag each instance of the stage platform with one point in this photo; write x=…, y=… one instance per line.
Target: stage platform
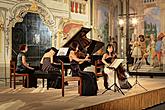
x=42, y=99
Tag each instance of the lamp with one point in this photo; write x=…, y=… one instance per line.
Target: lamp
x=121, y=22
x=134, y=21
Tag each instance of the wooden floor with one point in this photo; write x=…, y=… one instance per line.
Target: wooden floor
x=40, y=98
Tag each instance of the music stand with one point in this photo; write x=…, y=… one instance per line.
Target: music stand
x=136, y=67
x=114, y=66
x=63, y=51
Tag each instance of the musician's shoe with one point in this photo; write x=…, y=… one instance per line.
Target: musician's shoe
x=108, y=88
x=147, y=61
x=66, y=83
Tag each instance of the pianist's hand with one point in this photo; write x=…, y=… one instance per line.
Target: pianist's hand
x=87, y=59
x=87, y=56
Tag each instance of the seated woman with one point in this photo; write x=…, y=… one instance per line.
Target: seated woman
x=89, y=85
x=48, y=65
x=23, y=67
x=107, y=59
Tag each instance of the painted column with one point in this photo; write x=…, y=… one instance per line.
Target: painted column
x=162, y=29
x=162, y=17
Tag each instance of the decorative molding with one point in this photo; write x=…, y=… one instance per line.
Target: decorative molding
x=66, y=29
x=20, y=10
x=64, y=21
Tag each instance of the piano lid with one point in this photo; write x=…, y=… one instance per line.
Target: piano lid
x=90, y=46
x=94, y=46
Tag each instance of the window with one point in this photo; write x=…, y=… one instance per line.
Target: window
x=33, y=32
x=148, y=1
x=76, y=7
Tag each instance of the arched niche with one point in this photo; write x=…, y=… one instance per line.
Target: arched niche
x=26, y=12
x=20, y=10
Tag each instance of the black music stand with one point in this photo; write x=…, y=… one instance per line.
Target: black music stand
x=136, y=67
x=116, y=87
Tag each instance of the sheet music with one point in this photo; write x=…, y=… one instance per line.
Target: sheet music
x=116, y=63
x=63, y=51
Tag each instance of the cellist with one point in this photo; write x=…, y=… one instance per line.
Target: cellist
x=107, y=59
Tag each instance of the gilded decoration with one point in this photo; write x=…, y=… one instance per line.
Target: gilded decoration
x=20, y=10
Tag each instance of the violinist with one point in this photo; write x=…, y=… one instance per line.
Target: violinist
x=89, y=85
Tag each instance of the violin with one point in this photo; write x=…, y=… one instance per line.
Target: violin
x=80, y=54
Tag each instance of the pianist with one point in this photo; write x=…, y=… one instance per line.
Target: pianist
x=48, y=65
x=23, y=67
x=89, y=86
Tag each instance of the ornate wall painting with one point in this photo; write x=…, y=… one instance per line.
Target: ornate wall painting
x=103, y=23
x=69, y=29
x=152, y=21
x=152, y=26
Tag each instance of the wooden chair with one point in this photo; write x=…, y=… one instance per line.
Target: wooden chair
x=70, y=78
x=13, y=75
x=99, y=65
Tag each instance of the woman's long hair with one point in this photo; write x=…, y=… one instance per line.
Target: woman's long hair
x=74, y=45
x=110, y=45
x=22, y=47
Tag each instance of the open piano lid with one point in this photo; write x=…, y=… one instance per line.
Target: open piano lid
x=80, y=37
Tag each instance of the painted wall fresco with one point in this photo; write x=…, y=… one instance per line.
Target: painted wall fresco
x=103, y=23
x=148, y=57
x=152, y=21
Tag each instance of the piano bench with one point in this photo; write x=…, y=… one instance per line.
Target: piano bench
x=70, y=78
x=42, y=75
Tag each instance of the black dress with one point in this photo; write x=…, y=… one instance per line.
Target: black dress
x=89, y=82
x=54, y=75
x=109, y=60
x=122, y=79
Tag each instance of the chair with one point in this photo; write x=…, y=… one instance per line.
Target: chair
x=99, y=65
x=70, y=78
x=13, y=75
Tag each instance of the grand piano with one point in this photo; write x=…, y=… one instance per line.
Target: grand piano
x=86, y=46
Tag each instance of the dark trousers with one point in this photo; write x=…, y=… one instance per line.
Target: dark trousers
x=32, y=78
